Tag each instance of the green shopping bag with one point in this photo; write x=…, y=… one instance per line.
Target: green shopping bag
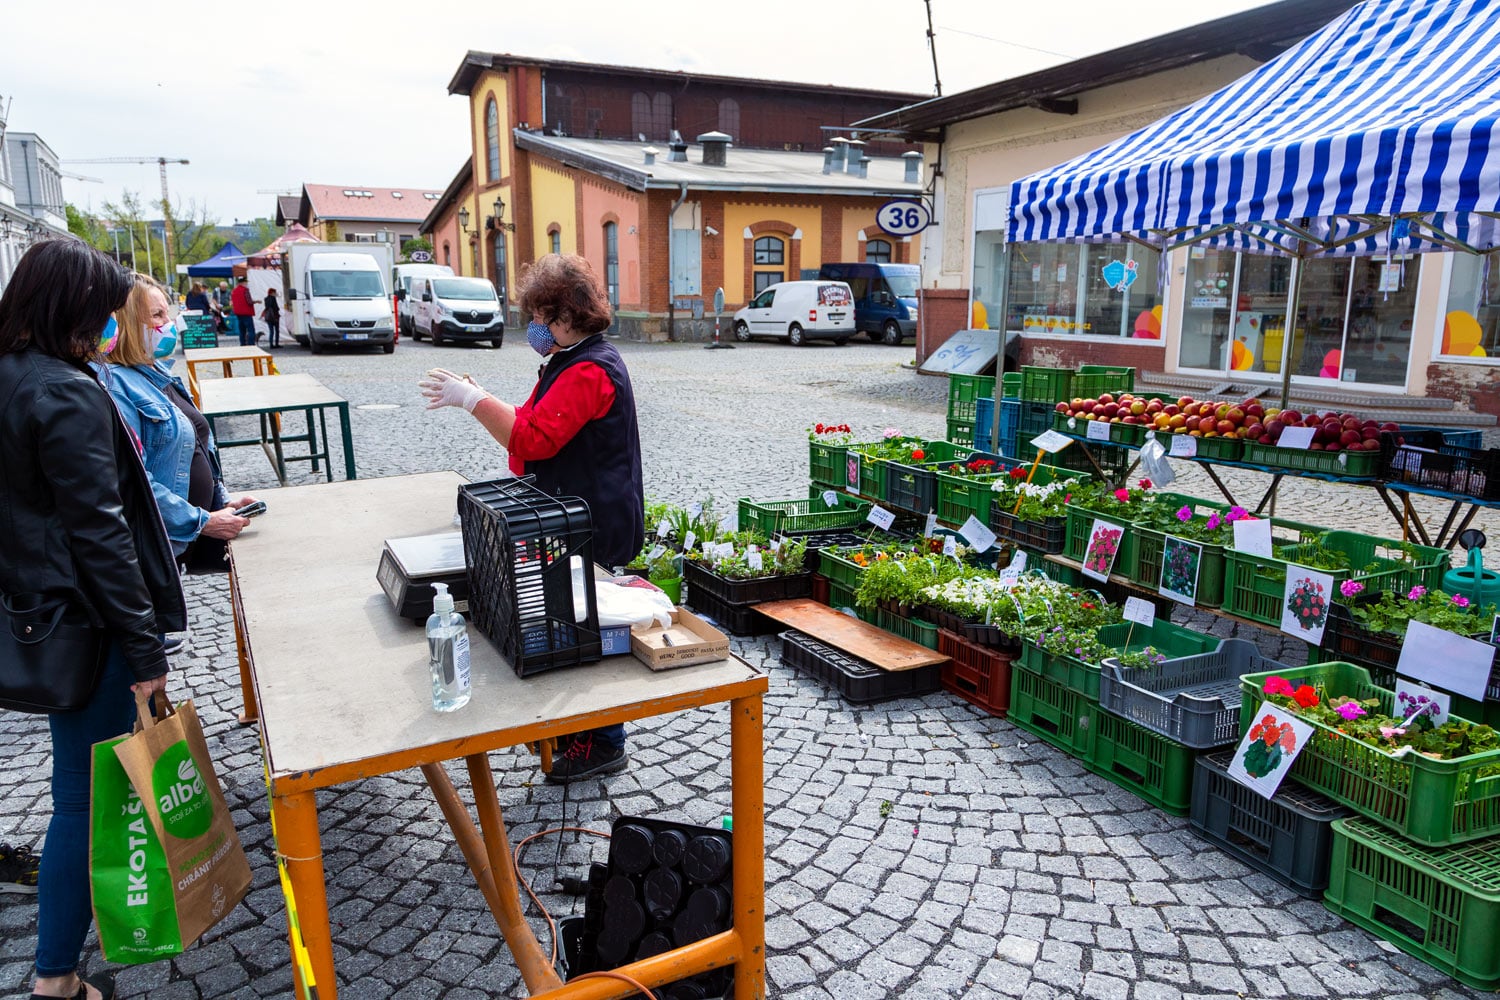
x=128, y=875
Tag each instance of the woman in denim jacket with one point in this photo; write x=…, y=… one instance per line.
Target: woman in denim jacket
x=176, y=444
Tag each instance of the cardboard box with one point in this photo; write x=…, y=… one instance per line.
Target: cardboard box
x=690, y=640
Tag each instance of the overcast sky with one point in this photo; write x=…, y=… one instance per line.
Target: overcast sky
x=272, y=94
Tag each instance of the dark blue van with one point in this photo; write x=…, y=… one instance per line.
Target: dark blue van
x=885, y=297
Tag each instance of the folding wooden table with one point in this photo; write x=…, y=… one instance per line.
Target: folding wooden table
x=261, y=362
x=343, y=692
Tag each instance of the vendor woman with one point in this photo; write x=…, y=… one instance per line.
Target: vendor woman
x=577, y=434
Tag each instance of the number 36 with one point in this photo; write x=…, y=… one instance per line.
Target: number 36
x=903, y=218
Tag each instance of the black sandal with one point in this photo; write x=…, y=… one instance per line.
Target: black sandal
x=101, y=981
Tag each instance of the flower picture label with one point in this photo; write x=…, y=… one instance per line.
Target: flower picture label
x=1051, y=441
x=830, y=498
x=1140, y=611
x=979, y=537
x=880, y=517
x=1414, y=701
x=1265, y=754
x=1253, y=536
x=1437, y=656
x=1103, y=547
x=1305, y=603
x=1180, y=561
x=1495, y=632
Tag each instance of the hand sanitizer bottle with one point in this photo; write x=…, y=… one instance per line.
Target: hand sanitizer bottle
x=447, y=653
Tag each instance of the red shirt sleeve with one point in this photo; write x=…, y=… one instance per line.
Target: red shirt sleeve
x=583, y=392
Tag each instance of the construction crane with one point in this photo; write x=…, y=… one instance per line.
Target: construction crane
x=166, y=202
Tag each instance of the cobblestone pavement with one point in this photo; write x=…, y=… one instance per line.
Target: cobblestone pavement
x=1003, y=869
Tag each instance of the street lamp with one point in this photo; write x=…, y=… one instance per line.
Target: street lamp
x=463, y=218
x=496, y=220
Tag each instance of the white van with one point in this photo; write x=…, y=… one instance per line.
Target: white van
x=339, y=294
x=402, y=275
x=800, y=311
x=455, y=309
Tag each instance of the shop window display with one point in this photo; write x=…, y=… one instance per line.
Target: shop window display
x=1471, y=321
x=1100, y=290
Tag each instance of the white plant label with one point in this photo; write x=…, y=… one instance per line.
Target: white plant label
x=1098, y=430
x=695, y=510
x=930, y=527
x=657, y=551
x=1184, y=446
x=1140, y=611
x=880, y=517
x=831, y=498
x=690, y=541
x=950, y=546
x=754, y=561
x=977, y=535
x=1051, y=441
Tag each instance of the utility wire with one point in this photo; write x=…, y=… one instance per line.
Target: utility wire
x=1002, y=41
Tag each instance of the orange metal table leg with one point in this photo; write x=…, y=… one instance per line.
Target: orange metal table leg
x=297, y=840
x=747, y=785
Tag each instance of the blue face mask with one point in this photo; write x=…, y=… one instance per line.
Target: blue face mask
x=539, y=336
x=163, y=339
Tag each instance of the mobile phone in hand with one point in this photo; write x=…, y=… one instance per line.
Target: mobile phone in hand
x=252, y=509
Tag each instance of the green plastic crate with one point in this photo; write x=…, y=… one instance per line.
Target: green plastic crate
x=1080, y=522
x=1255, y=585
x=1091, y=381
x=1127, y=434
x=959, y=497
x=1432, y=802
x=1051, y=712
x=825, y=464
x=872, y=477
x=1046, y=385
x=1440, y=905
x=839, y=569
x=961, y=432
x=914, y=629
x=963, y=390
x=774, y=517
x=1083, y=678
x=1150, y=543
x=1114, y=461
x=1138, y=760
x=1347, y=464
x=1010, y=385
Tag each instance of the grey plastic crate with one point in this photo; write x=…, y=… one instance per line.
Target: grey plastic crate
x=1288, y=837
x=1193, y=700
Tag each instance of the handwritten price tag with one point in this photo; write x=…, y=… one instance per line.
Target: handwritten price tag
x=755, y=561
x=1184, y=446
x=690, y=541
x=1051, y=441
x=657, y=551
x=880, y=517
x=976, y=534
x=1018, y=562
x=1098, y=430
x=1140, y=611
x=830, y=498
x=931, y=526
x=663, y=529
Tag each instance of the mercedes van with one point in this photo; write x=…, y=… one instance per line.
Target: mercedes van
x=800, y=311
x=885, y=297
x=455, y=309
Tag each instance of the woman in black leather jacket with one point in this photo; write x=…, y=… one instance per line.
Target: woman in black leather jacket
x=78, y=522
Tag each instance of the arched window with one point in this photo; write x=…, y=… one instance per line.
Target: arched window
x=492, y=138
x=729, y=117
x=612, y=262
x=878, y=251
x=447, y=255
x=770, y=260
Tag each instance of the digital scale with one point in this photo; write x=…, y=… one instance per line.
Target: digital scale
x=410, y=566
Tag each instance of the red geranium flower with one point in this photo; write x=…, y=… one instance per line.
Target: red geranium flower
x=1305, y=696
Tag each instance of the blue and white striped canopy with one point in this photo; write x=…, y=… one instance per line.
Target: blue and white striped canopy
x=1375, y=133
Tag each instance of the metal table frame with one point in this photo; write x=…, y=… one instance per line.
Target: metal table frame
x=335, y=532
x=269, y=396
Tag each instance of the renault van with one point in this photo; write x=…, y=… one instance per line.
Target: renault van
x=885, y=297
x=402, y=274
x=455, y=309
x=800, y=311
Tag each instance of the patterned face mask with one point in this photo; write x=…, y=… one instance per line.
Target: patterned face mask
x=539, y=336
x=163, y=339
x=110, y=337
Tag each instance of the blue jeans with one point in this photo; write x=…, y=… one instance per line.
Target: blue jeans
x=64, y=910
x=247, y=330
x=610, y=736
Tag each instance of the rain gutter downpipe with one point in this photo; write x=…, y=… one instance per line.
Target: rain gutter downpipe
x=671, y=274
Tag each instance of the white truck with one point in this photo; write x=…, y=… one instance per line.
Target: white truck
x=339, y=294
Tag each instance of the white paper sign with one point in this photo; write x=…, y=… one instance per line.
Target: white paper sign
x=1305, y=603
x=1296, y=437
x=663, y=529
x=977, y=535
x=1252, y=536
x=729, y=523
x=830, y=498
x=1451, y=661
x=1009, y=575
x=1184, y=446
x=1140, y=611
x=950, y=546
x=695, y=510
x=930, y=527
x=690, y=541
x=755, y=561
x=1098, y=430
x=1051, y=441
x=1036, y=273
x=1062, y=272
x=1260, y=764
x=657, y=551
x=1415, y=700
x=880, y=517
x=1390, y=277
x=1018, y=561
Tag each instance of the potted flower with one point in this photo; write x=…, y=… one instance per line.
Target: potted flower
x=1369, y=628
x=1119, y=506
x=826, y=448
x=1031, y=513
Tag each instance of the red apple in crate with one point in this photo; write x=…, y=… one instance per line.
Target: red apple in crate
x=1254, y=409
x=1290, y=417
x=1274, y=427
x=1224, y=427
x=1350, y=438
x=1063, y=408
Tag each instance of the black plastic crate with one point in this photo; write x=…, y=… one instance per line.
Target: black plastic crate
x=1049, y=536
x=736, y=619
x=701, y=579
x=1287, y=837
x=1427, y=459
x=910, y=487
x=528, y=555
x=665, y=886
x=857, y=680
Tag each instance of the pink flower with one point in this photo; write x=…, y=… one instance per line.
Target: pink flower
x=1417, y=593
x=1122, y=495
x=1214, y=521
x=1460, y=600
x=1145, y=484
x=892, y=432
x=1391, y=732
x=1277, y=685
x=1350, y=587
x=1350, y=711
x=1185, y=514
x=1238, y=513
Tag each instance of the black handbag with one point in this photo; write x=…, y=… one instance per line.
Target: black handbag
x=50, y=659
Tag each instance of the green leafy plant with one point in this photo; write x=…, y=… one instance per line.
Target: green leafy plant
x=1037, y=501
x=1390, y=612
x=1363, y=720
x=1145, y=658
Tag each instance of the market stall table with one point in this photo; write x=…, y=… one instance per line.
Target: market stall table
x=342, y=689
x=261, y=362
x=267, y=397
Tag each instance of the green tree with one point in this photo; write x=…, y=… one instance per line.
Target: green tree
x=88, y=228
x=265, y=231
x=416, y=243
x=193, y=236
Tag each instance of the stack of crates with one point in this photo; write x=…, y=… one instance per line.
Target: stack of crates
x=963, y=393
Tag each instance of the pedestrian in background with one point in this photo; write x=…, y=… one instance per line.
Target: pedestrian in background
x=221, y=308
x=197, y=299
x=271, y=313
x=577, y=434
x=243, y=308
x=83, y=531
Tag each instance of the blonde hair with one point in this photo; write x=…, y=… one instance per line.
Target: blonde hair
x=134, y=317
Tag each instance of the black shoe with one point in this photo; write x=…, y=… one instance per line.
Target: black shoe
x=101, y=981
x=18, y=870
x=586, y=758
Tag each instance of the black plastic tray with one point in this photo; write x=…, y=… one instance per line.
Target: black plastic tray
x=857, y=680
x=736, y=619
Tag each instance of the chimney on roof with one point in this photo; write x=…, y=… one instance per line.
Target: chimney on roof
x=840, y=152
x=862, y=168
x=856, y=156
x=715, y=148
x=913, y=160
x=678, y=151
x=650, y=154
x=827, y=159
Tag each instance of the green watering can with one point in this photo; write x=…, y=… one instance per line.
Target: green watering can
x=1481, y=586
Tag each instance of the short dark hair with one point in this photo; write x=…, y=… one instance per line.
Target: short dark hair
x=59, y=298
x=565, y=287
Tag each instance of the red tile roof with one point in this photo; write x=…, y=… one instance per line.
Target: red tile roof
x=332, y=201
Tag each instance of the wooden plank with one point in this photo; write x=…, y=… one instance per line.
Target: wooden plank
x=855, y=637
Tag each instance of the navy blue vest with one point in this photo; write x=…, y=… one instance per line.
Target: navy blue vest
x=602, y=464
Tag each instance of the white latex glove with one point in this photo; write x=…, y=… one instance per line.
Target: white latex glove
x=444, y=388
